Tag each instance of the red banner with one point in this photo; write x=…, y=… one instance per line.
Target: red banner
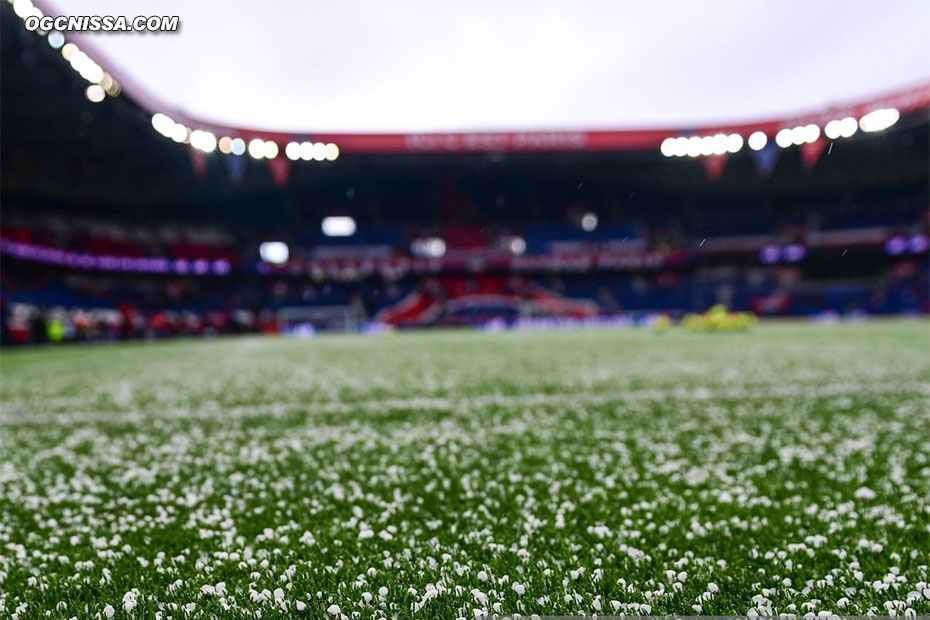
x=909, y=100
x=198, y=162
x=812, y=151
x=280, y=169
x=714, y=165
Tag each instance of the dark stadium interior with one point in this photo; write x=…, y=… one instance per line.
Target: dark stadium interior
x=849, y=235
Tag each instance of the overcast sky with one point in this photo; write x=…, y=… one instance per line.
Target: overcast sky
x=417, y=65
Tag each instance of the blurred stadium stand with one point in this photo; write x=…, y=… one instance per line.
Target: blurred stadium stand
x=108, y=231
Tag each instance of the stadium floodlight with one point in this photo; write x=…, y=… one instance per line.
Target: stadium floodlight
x=681, y=146
x=589, y=221
x=107, y=82
x=844, y=128
x=879, y=119
x=694, y=146
x=428, y=247
x=203, y=140
x=257, y=148
x=707, y=145
x=68, y=50
x=720, y=144
x=180, y=133
x=22, y=8
x=225, y=144
x=86, y=67
x=319, y=151
x=292, y=150
x=25, y=9
x=110, y=85
x=197, y=139
x=798, y=136
x=338, y=226
x=669, y=147
x=332, y=152
x=271, y=149
x=306, y=151
x=238, y=146
x=56, y=39
x=163, y=124
x=811, y=133
x=274, y=252
x=95, y=93
x=758, y=140
x=848, y=127
x=783, y=138
x=734, y=142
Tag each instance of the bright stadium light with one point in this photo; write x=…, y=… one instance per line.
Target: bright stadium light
x=225, y=144
x=332, y=152
x=95, y=93
x=86, y=67
x=306, y=151
x=848, y=127
x=180, y=133
x=29, y=9
x=274, y=252
x=879, y=119
x=203, y=140
x=69, y=50
x=319, y=151
x=734, y=142
x=707, y=145
x=517, y=245
x=257, y=148
x=107, y=82
x=844, y=128
x=163, y=124
x=23, y=8
x=783, y=138
x=237, y=147
x=758, y=140
x=56, y=39
x=719, y=143
x=798, y=136
x=681, y=146
x=110, y=85
x=292, y=150
x=669, y=146
x=811, y=133
x=271, y=149
x=338, y=226
x=589, y=221
x=694, y=146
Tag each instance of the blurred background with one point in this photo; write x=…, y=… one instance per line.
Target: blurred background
x=547, y=169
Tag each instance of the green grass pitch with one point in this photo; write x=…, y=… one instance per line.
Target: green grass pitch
x=454, y=474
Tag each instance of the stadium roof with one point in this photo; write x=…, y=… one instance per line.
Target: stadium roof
x=415, y=66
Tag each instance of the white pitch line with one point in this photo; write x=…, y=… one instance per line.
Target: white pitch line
x=458, y=403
